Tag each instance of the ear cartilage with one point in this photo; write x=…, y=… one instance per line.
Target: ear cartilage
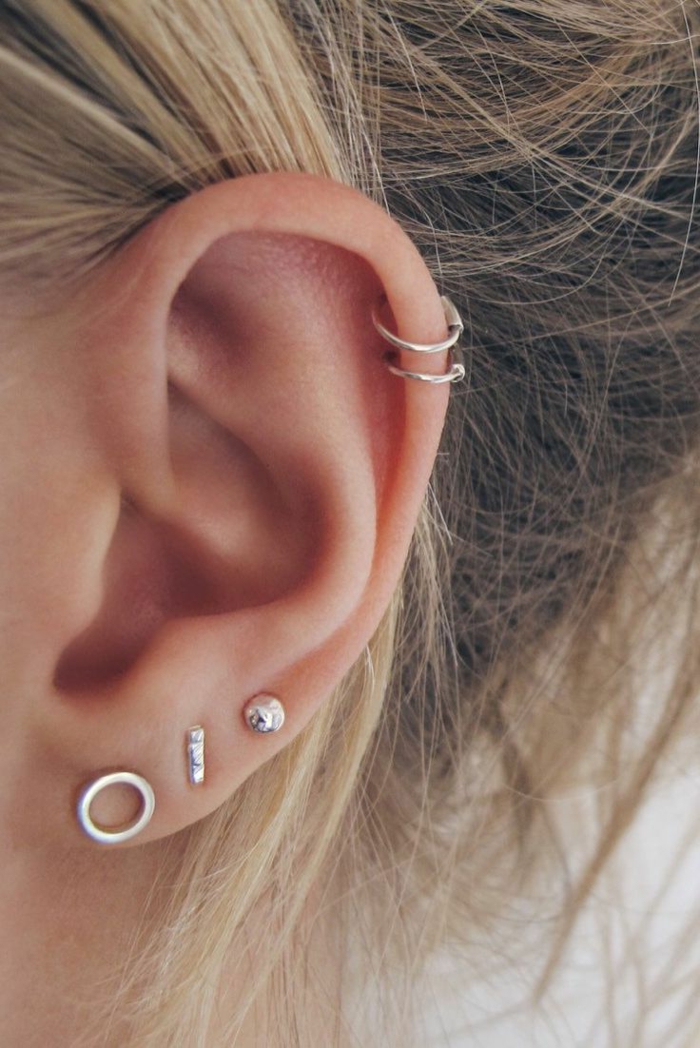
x=195, y=754
x=264, y=713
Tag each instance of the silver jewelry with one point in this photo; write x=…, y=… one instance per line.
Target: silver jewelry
x=264, y=713
x=456, y=370
x=195, y=754
x=106, y=836
x=455, y=374
x=454, y=326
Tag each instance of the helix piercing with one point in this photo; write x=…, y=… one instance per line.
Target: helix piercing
x=101, y=833
x=264, y=713
x=455, y=326
x=195, y=754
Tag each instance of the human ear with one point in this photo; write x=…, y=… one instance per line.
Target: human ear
x=255, y=477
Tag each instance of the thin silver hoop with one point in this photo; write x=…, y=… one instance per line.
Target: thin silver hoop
x=456, y=370
x=454, y=326
x=455, y=374
x=88, y=795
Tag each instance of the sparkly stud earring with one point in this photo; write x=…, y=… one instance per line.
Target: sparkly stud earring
x=264, y=713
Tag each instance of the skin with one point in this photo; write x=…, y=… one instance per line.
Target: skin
x=211, y=482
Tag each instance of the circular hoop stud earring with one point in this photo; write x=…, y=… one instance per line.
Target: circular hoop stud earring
x=264, y=713
x=106, y=836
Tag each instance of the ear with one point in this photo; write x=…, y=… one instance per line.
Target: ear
x=257, y=472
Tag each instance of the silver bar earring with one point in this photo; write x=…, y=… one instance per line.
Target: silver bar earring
x=195, y=754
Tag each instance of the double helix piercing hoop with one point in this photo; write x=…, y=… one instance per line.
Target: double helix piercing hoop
x=456, y=370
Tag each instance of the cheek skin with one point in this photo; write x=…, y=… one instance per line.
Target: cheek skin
x=57, y=511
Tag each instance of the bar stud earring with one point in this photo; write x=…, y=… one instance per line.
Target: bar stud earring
x=264, y=713
x=195, y=754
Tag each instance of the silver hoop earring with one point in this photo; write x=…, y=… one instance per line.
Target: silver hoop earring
x=106, y=836
x=195, y=754
x=455, y=326
x=264, y=713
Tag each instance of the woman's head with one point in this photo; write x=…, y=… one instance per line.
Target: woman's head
x=213, y=466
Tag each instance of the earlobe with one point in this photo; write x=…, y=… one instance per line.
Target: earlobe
x=243, y=362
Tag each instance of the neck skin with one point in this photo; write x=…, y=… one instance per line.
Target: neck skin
x=71, y=922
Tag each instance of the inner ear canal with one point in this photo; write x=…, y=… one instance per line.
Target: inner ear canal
x=232, y=541
x=151, y=575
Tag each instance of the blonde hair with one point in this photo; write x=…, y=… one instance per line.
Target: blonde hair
x=543, y=156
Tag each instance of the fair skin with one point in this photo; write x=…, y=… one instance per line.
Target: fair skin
x=211, y=482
